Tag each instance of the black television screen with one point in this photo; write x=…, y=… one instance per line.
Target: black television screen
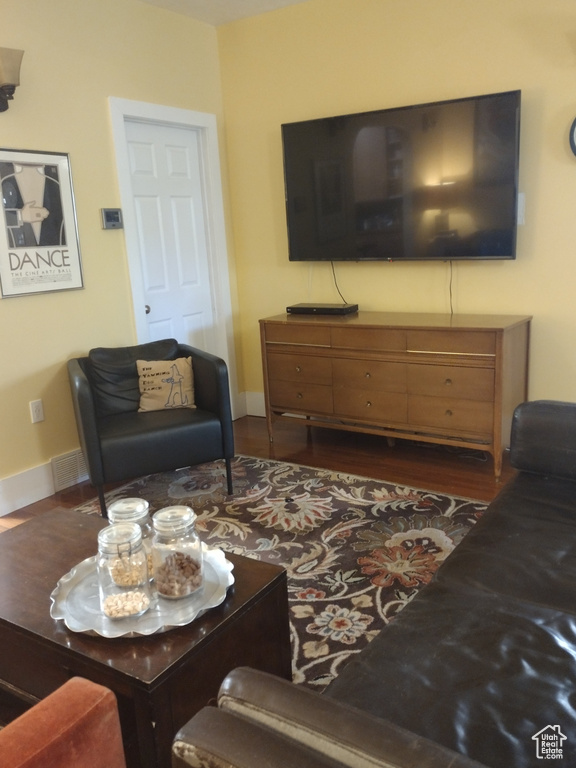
x=431, y=181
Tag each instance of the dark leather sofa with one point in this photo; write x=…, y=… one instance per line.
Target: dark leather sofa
x=480, y=668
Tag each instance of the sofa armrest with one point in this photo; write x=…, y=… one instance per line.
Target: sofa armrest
x=334, y=730
x=217, y=739
x=543, y=438
x=76, y=725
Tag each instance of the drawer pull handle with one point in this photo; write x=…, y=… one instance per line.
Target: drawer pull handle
x=367, y=375
x=368, y=404
x=448, y=382
x=298, y=369
x=448, y=412
x=299, y=395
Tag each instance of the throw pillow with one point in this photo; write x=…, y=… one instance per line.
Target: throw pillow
x=165, y=384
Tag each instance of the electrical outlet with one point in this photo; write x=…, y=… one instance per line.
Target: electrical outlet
x=36, y=411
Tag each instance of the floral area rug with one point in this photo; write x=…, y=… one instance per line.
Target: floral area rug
x=356, y=550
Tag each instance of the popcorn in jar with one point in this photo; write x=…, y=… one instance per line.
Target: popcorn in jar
x=122, y=566
x=176, y=553
x=133, y=510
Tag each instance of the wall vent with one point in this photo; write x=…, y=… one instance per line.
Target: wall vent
x=68, y=469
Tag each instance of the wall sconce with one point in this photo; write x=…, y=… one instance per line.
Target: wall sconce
x=10, y=60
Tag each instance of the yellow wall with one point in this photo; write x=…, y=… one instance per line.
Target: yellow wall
x=77, y=54
x=321, y=57
x=329, y=57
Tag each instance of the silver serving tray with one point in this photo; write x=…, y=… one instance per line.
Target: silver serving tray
x=76, y=601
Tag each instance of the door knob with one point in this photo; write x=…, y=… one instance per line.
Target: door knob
x=147, y=308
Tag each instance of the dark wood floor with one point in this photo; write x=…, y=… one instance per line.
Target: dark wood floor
x=453, y=471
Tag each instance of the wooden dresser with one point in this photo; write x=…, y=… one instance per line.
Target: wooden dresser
x=449, y=379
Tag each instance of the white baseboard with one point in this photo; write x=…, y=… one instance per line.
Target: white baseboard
x=255, y=404
x=37, y=483
x=26, y=488
x=238, y=405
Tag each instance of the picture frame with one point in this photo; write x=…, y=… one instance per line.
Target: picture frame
x=39, y=248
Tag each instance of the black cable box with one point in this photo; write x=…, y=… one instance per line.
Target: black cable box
x=322, y=309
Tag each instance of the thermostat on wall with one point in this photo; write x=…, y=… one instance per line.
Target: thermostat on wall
x=112, y=218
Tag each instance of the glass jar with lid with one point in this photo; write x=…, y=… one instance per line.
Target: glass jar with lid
x=122, y=571
x=132, y=510
x=176, y=552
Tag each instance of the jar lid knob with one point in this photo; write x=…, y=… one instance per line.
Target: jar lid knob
x=173, y=519
x=119, y=537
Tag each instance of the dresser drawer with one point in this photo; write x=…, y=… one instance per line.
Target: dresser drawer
x=309, y=398
x=451, y=381
x=371, y=406
x=384, y=339
x=451, y=415
x=305, y=368
x=452, y=342
x=298, y=334
x=370, y=374
x=438, y=378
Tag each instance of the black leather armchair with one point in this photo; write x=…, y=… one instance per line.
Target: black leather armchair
x=121, y=443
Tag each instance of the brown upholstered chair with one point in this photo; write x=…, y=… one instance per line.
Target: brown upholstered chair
x=77, y=726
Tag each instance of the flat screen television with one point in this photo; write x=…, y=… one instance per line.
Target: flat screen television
x=430, y=181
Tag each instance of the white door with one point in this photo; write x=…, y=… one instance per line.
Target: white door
x=171, y=192
x=169, y=209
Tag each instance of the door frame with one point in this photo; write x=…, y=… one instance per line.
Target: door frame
x=205, y=125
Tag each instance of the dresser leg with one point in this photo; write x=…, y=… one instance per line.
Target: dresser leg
x=498, y=465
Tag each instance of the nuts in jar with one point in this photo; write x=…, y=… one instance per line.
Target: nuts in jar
x=126, y=573
x=176, y=553
x=134, y=510
x=178, y=576
x=122, y=567
x=125, y=604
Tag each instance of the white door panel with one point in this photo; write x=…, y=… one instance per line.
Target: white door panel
x=175, y=229
x=167, y=190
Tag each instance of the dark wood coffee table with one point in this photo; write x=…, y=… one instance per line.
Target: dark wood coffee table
x=161, y=680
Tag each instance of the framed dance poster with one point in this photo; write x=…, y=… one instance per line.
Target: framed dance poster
x=39, y=249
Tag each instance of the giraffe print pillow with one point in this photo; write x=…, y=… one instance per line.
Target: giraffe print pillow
x=165, y=384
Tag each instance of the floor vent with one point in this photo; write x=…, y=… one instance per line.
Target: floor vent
x=68, y=469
